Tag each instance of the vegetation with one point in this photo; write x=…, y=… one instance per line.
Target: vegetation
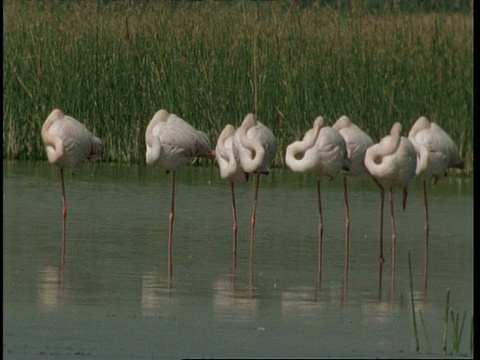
x=457, y=328
x=112, y=65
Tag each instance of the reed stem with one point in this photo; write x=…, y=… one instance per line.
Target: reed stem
x=417, y=344
x=446, y=323
x=471, y=337
x=454, y=330
x=429, y=344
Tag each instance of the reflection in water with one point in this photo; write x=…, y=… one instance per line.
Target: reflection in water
x=382, y=311
x=345, y=266
x=380, y=280
x=419, y=299
x=154, y=294
x=306, y=300
x=232, y=303
x=302, y=301
x=380, y=315
x=114, y=275
x=50, y=287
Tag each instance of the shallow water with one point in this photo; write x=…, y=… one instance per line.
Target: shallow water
x=114, y=299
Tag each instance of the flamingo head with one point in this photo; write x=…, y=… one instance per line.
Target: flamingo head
x=209, y=155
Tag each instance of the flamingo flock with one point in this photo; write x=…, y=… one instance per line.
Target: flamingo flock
x=327, y=152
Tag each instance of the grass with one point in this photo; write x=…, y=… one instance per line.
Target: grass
x=424, y=328
x=457, y=328
x=113, y=65
x=445, y=328
x=415, y=331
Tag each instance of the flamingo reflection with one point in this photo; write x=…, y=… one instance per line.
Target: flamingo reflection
x=50, y=287
x=233, y=303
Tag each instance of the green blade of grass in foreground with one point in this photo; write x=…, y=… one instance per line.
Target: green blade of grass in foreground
x=417, y=343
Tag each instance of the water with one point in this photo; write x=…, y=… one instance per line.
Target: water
x=114, y=299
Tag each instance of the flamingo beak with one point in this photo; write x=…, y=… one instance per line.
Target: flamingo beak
x=209, y=155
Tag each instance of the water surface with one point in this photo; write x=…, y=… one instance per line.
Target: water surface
x=114, y=300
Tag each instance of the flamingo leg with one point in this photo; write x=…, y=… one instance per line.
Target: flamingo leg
x=427, y=230
x=235, y=228
x=380, y=272
x=394, y=241
x=257, y=185
x=404, y=199
x=347, y=231
x=382, y=201
x=64, y=215
x=170, y=230
x=320, y=234
x=61, y=281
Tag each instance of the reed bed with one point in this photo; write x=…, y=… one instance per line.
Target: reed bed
x=113, y=65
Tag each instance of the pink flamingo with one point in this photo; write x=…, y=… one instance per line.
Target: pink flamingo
x=324, y=154
x=392, y=160
x=357, y=142
x=171, y=143
x=68, y=143
x=254, y=146
x=232, y=171
x=436, y=152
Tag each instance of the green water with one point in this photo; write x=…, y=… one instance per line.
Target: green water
x=114, y=300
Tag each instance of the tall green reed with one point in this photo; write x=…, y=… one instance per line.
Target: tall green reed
x=112, y=66
x=457, y=327
x=415, y=331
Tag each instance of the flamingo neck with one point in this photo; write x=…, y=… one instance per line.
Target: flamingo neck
x=295, y=156
x=254, y=151
x=422, y=159
x=253, y=156
x=153, y=150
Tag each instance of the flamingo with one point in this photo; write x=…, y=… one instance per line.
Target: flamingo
x=254, y=146
x=325, y=155
x=68, y=143
x=230, y=170
x=392, y=160
x=357, y=142
x=171, y=143
x=436, y=152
